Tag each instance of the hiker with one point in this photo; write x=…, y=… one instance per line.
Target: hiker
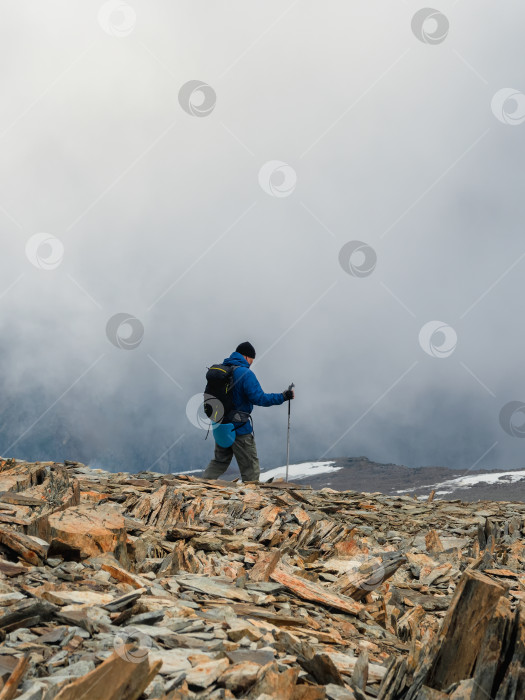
x=247, y=392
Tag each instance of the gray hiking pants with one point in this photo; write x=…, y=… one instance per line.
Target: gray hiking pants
x=244, y=451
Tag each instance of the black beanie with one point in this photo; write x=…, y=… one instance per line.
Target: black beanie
x=246, y=349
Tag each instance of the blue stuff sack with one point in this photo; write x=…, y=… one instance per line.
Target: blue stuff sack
x=224, y=434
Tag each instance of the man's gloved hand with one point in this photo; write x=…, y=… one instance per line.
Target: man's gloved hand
x=288, y=394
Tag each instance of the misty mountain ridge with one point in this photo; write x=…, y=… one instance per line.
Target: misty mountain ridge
x=362, y=474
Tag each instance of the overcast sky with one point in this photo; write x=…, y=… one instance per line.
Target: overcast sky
x=340, y=183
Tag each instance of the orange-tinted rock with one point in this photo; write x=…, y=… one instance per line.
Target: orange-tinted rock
x=93, y=496
x=20, y=476
x=90, y=530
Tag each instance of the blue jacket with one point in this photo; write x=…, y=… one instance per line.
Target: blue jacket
x=247, y=391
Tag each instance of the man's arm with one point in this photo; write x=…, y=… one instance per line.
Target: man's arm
x=256, y=395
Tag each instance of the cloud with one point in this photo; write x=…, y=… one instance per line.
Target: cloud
x=160, y=215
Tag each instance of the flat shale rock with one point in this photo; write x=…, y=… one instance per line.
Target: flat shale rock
x=78, y=596
x=204, y=674
x=115, y=679
x=174, y=661
x=239, y=677
x=310, y=590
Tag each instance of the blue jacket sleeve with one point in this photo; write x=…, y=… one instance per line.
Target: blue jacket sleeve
x=256, y=395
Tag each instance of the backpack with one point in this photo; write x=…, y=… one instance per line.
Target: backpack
x=218, y=394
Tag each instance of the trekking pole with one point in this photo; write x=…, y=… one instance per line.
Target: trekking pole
x=288, y=434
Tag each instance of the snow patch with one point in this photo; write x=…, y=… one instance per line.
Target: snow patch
x=501, y=477
x=301, y=471
x=465, y=482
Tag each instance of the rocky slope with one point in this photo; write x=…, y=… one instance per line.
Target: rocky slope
x=163, y=586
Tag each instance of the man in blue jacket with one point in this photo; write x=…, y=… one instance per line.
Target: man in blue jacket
x=247, y=392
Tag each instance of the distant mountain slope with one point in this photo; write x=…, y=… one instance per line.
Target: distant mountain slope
x=361, y=474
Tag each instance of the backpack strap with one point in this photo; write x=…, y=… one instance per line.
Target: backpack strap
x=246, y=421
x=249, y=420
